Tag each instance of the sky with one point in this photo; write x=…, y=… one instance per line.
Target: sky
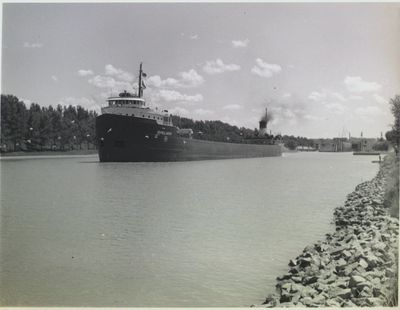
x=321, y=70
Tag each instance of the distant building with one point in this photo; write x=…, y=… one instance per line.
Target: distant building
x=333, y=145
x=345, y=144
x=363, y=144
x=305, y=148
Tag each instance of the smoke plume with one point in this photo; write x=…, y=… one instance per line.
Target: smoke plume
x=267, y=117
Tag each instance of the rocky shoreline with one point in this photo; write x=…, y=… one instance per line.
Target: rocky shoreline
x=354, y=266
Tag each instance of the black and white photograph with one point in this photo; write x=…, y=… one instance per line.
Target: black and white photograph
x=199, y=154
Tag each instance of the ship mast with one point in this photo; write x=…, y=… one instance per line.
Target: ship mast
x=140, y=82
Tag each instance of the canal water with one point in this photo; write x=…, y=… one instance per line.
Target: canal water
x=76, y=232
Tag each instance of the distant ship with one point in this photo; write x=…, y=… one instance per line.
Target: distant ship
x=128, y=131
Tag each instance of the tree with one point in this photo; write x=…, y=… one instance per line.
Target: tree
x=291, y=145
x=381, y=146
x=394, y=135
x=43, y=128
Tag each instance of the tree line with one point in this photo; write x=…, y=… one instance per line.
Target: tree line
x=45, y=128
x=62, y=128
x=224, y=132
x=393, y=135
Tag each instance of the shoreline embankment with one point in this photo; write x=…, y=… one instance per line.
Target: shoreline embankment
x=49, y=153
x=357, y=264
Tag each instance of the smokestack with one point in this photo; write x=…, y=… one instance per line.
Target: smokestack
x=263, y=123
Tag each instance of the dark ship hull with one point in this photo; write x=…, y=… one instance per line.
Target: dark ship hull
x=132, y=139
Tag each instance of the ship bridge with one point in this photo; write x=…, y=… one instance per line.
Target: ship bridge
x=127, y=104
x=133, y=105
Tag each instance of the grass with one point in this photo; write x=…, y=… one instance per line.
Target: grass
x=391, y=201
x=392, y=186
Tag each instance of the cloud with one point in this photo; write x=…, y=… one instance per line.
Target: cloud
x=355, y=97
x=33, y=45
x=286, y=112
x=264, y=69
x=178, y=111
x=287, y=95
x=83, y=72
x=230, y=121
x=87, y=103
x=54, y=78
x=336, y=107
x=380, y=99
x=109, y=83
x=26, y=101
x=173, y=95
x=317, y=96
x=357, y=85
x=218, y=66
x=313, y=117
x=156, y=81
x=339, y=96
x=191, y=78
x=326, y=96
x=194, y=37
x=186, y=79
x=232, y=107
x=334, y=102
x=118, y=73
x=113, y=80
x=240, y=43
x=203, y=112
x=369, y=111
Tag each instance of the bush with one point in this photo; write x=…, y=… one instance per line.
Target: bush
x=392, y=187
x=381, y=146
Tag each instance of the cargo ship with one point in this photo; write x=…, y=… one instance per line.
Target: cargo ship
x=129, y=131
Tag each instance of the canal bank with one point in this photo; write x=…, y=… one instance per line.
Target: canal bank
x=357, y=264
x=50, y=153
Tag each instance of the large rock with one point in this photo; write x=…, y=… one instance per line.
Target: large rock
x=378, y=246
x=304, y=262
x=333, y=303
x=308, y=292
x=356, y=280
x=338, y=250
x=307, y=301
x=310, y=280
x=363, y=263
x=296, y=297
x=297, y=279
x=364, y=291
x=285, y=297
x=360, y=302
x=284, y=277
x=375, y=302
x=344, y=293
x=271, y=300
